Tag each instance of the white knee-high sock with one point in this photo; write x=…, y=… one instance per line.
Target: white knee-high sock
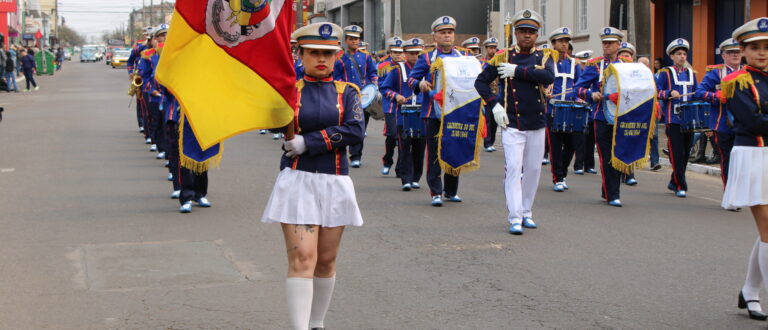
x=298, y=291
x=754, y=281
x=321, y=300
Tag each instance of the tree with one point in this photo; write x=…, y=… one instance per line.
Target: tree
x=118, y=33
x=70, y=36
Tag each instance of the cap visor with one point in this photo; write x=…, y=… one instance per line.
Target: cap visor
x=395, y=49
x=414, y=50
x=316, y=46
x=445, y=27
x=756, y=38
x=352, y=34
x=611, y=39
x=529, y=26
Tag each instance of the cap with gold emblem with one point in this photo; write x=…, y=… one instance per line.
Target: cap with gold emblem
x=491, y=42
x=728, y=44
x=527, y=19
x=676, y=44
x=754, y=30
x=473, y=42
x=395, y=44
x=414, y=45
x=560, y=33
x=318, y=36
x=627, y=47
x=443, y=23
x=353, y=31
x=611, y=34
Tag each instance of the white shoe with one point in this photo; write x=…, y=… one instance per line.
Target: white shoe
x=175, y=194
x=153, y=147
x=263, y=131
x=203, y=202
x=186, y=207
x=277, y=136
x=406, y=187
x=415, y=185
x=148, y=141
x=141, y=129
x=170, y=177
x=160, y=155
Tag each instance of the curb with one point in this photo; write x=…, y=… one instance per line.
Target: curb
x=697, y=168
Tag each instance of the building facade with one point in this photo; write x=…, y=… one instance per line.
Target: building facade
x=704, y=23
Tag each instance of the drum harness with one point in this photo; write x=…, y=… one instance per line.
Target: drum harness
x=685, y=85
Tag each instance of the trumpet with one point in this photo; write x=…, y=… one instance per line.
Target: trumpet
x=136, y=83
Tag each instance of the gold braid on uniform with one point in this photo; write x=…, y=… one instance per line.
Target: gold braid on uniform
x=341, y=86
x=548, y=53
x=743, y=80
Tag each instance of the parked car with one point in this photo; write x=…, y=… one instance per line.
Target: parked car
x=120, y=57
x=67, y=54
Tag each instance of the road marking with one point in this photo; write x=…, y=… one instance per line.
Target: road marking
x=7, y=170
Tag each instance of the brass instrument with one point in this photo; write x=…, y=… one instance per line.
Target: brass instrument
x=136, y=83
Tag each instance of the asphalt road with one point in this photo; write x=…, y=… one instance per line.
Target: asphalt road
x=90, y=239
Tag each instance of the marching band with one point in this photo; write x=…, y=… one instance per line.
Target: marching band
x=537, y=96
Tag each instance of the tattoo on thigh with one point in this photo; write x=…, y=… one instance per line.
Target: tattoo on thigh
x=307, y=228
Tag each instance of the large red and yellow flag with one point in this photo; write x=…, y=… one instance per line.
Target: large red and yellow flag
x=229, y=64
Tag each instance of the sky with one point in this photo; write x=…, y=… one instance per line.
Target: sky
x=92, y=17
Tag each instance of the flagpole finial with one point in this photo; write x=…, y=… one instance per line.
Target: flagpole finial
x=508, y=19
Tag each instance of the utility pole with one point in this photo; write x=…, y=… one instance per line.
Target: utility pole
x=151, y=14
x=162, y=11
x=299, y=13
x=130, y=28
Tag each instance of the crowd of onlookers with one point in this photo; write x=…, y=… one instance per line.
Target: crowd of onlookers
x=19, y=60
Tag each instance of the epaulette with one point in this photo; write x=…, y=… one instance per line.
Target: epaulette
x=341, y=86
x=500, y=57
x=549, y=53
x=384, y=58
x=662, y=70
x=427, y=50
x=595, y=60
x=462, y=49
x=742, y=78
x=714, y=67
x=625, y=60
x=364, y=52
x=147, y=53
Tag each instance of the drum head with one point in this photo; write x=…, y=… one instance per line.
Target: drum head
x=368, y=95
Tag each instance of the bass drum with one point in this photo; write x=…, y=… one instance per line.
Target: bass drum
x=370, y=100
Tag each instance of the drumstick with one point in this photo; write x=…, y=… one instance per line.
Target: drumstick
x=681, y=95
x=567, y=90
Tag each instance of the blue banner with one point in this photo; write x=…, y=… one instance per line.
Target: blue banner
x=632, y=133
x=460, y=135
x=191, y=154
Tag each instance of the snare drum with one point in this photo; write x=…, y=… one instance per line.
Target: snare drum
x=413, y=125
x=569, y=117
x=695, y=116
x=370, y=100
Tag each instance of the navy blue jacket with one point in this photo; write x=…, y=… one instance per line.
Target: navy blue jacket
x=750, y=111
x=590, y=81
x=707, y=92
x=28, y=62
x=525, y=102
x=665, y=84
x=327, y=126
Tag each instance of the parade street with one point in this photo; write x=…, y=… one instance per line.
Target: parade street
x=89, y=238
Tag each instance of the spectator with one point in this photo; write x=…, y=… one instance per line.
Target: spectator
x=10, y=72
x=29, y=68
x=59, y=58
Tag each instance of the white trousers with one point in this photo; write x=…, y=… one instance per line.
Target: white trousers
x=523, y=151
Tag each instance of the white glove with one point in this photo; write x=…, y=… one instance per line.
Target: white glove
x=295, y=147
x=500, y=115
x=507, y=70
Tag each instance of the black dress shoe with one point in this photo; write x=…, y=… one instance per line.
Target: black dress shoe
x=755, y=315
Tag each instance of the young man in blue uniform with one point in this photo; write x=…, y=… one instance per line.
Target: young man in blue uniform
x=491, y=46
x=132, y=65
x=389, y=106
x=563, y=146
x=359, y=68
x=675, y=84
x=588, y=88
x=395, y=90
x=473, y=45
x=421, y=81
x=524, y=72
x=709, y=91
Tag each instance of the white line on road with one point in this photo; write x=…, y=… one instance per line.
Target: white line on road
x=7, y=170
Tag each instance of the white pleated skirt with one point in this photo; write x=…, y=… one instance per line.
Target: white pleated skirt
x=747, y=178
x=304, y=198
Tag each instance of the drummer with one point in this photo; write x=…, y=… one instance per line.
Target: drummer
x=676, y=84
x=709, y=91
x=395, y=46
x=357, y=67
x=420, y=80
x=396, y=91
x=491, y=47
x=588, y=88
x=563, y=146
x=473, y=45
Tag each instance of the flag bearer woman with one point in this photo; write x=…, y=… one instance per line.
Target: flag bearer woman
x=313, y=198
x=745, y=92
